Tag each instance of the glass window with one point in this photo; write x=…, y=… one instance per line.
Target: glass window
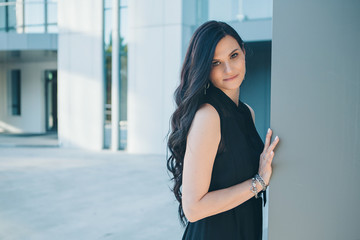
x=124, y=24
x=34, y=29
x=108, y=11
x=107, y=27
x=52, y=28
x=202, y=9
x=2, y=15
x=34, y=1
x=123, y=72
x=51, y=12
x=123, y=3
x=107, y=4
x=28, y=15
x=11, y=14
x=259, y=9
x=239, y=10
x=15, y=82
x=34, y=16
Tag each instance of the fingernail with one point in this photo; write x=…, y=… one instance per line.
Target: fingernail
x=268, y=130
x=276, y=137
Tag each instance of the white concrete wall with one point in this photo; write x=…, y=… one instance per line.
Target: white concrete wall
x=80, y=74
x=155, y=57
x=315, y=110
x=32, y=118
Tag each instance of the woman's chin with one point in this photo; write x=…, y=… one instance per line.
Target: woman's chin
x=230, y=85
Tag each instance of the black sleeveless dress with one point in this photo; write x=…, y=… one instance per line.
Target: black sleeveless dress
x=237, y=160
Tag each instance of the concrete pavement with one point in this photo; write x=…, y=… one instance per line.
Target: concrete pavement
x=29, y=140
x=55, y=193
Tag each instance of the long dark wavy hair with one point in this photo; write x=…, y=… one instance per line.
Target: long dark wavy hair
x=188, y=95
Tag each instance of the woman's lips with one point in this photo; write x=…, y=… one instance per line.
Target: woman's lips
x=230, y=78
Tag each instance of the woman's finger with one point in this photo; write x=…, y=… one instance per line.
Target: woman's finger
x=273, y=144
x=271, y=157
x=267, y=139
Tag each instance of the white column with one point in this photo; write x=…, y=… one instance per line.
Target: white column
x=155, y=56
x=80, y=74
x=115, y=77
x=315, y=110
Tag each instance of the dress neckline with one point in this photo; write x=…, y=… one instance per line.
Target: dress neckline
x=226, y=98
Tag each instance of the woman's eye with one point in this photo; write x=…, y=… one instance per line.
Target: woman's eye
x=234, y=55
x=215, y=63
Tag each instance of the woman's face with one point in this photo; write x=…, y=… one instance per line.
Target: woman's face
x=228, y=65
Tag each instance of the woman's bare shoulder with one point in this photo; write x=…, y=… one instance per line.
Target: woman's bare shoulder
x=206, y=123
x=207, y=115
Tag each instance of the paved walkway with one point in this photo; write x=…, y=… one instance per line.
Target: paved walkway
x=29, y=140
x=54, y=193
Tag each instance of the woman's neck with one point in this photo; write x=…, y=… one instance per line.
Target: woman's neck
x=233, y=95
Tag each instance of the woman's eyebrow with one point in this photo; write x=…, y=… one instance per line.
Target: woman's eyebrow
x=233, y=51
x=229, y=54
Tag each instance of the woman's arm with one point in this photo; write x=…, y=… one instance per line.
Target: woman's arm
x=202, y=144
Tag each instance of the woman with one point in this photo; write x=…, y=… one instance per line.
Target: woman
x=219, y=163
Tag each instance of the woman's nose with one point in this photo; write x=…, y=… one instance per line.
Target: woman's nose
x=227, y=67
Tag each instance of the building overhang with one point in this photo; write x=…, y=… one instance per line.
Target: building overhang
x=28, y=41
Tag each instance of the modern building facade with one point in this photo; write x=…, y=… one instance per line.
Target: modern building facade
x=121, y=65
x=28, y=66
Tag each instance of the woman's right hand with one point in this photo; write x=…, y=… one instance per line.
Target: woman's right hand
x=266, y=157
